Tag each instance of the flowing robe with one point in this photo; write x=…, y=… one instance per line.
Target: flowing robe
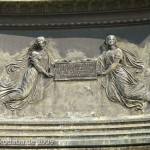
x=31, y=86
x=121, y=85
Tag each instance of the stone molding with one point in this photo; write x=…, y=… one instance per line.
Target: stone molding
x=70, y=6
x=98, y=132
x=122, y=22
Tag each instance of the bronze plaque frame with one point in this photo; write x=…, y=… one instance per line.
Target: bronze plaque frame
x=75, y=71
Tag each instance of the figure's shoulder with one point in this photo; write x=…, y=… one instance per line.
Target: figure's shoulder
x=34, y=53
x=118, y=50
x=118, y=53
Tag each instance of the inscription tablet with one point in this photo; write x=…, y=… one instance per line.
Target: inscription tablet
x=75, y=71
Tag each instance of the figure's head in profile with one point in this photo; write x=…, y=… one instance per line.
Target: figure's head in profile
x=111, y=40
x=40, y=42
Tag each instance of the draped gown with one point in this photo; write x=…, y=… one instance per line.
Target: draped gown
x=121, y=85
x=31, y=86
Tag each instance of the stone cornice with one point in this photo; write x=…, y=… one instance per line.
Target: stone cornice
x=77, y=24
x=54, y=14
x=70, y=6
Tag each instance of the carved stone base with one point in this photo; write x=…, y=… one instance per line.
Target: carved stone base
x=75, y=132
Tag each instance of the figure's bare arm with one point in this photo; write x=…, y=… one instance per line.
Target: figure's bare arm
x=113, y=66
x=35, y=61
x=99, y=65
x=118, y=56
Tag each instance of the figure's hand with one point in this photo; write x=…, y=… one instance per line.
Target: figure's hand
x=49, y=75
x=98, y=73
x=101, y=74
x=104, y=73
x=66, y=60
x=60, y=61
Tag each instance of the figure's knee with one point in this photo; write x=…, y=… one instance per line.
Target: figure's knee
x=18, y=95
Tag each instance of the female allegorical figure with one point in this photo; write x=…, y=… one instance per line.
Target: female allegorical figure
x=31, y=86
x=121, y=85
